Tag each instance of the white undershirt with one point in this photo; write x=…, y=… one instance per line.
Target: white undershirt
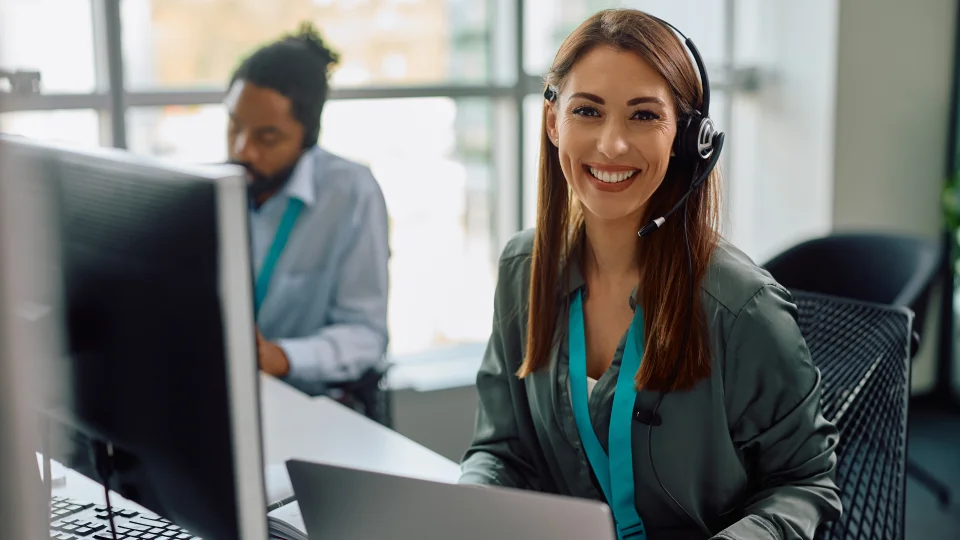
x=591, y=382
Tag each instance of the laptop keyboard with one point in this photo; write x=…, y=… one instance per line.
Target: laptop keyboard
x=76, y=520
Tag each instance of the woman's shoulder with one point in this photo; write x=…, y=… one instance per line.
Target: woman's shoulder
x=513, y=274
x=515, y=259
x=756, y=317
x=520, y=245
x=761, y=349
x=733, y=279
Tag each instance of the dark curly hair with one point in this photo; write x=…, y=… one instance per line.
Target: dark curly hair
x=298, y=67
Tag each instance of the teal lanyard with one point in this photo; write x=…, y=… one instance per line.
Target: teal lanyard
x=276, y=249
x=615, y=473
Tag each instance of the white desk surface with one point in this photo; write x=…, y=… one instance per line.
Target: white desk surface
x=320, y=429
x=295, y=425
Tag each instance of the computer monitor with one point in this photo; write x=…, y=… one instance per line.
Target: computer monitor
x=156, y=390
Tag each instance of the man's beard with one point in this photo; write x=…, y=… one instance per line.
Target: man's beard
x=260, y=185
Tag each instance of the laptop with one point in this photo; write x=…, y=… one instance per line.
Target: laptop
x=352, y=504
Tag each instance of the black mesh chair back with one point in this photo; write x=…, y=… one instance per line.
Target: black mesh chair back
x=863, y=353
x=873, y=267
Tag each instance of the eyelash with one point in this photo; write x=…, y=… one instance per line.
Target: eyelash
x=579, y=111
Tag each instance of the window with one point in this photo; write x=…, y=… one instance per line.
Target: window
x=80, y=127
x=185, y=43
x=782, y=151
x=191, y=133
x=59, y=47
x=533, y=128
x=548, y=22
x=432, y=158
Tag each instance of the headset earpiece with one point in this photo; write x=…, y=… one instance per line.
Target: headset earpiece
x=697, y=142
x=695, y=138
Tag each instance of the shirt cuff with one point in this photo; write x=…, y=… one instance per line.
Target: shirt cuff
x=306, y=358
x=751, y=527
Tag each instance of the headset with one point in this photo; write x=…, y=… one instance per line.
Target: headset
x=697, y=142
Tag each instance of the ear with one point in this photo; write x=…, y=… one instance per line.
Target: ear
x=552, y=131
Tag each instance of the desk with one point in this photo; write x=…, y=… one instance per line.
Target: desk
x=320, y=429
x=314, y=429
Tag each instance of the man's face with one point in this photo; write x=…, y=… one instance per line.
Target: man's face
x=263, y=136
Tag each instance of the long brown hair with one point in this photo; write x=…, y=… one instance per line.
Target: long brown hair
x=664, y=286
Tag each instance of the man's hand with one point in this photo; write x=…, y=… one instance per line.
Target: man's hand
x=273, y=360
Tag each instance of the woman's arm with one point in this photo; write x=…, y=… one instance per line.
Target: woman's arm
x=497, y=456
x=773, y=403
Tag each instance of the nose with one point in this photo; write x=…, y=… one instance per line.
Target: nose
x=613, y=140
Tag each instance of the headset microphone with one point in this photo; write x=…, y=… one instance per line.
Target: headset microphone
x=717, y=145
x=647, y=417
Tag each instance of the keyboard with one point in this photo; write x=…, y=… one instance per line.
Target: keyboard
x=76, y=520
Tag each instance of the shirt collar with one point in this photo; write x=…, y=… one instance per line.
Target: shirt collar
x=573, y=276
x=301, y=185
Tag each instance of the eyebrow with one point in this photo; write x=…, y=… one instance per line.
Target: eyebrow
x=263, y=130
x=634, y=101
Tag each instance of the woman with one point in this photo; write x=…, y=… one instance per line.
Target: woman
x=714, y=429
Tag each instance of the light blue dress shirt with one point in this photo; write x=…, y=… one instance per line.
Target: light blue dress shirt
x=326, y=306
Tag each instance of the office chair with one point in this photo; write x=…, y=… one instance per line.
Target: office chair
x=368, y=394
x=862, y=351
x=878, y=268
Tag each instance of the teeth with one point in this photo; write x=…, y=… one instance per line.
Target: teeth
x=611, y=178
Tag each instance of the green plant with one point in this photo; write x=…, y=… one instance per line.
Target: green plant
x=950, y=202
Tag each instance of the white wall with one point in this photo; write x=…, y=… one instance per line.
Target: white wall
x=894, y=83
x=442, y=420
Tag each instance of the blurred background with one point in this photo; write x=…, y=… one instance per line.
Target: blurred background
x=441, y=98
x=840, y=115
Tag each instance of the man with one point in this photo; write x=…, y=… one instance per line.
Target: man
x=318, y=222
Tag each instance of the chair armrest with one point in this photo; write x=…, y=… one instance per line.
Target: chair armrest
x=369, y=379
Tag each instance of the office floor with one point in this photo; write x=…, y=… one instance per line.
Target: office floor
x=935, y=442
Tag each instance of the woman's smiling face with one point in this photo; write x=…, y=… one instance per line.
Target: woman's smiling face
x=614, y=122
